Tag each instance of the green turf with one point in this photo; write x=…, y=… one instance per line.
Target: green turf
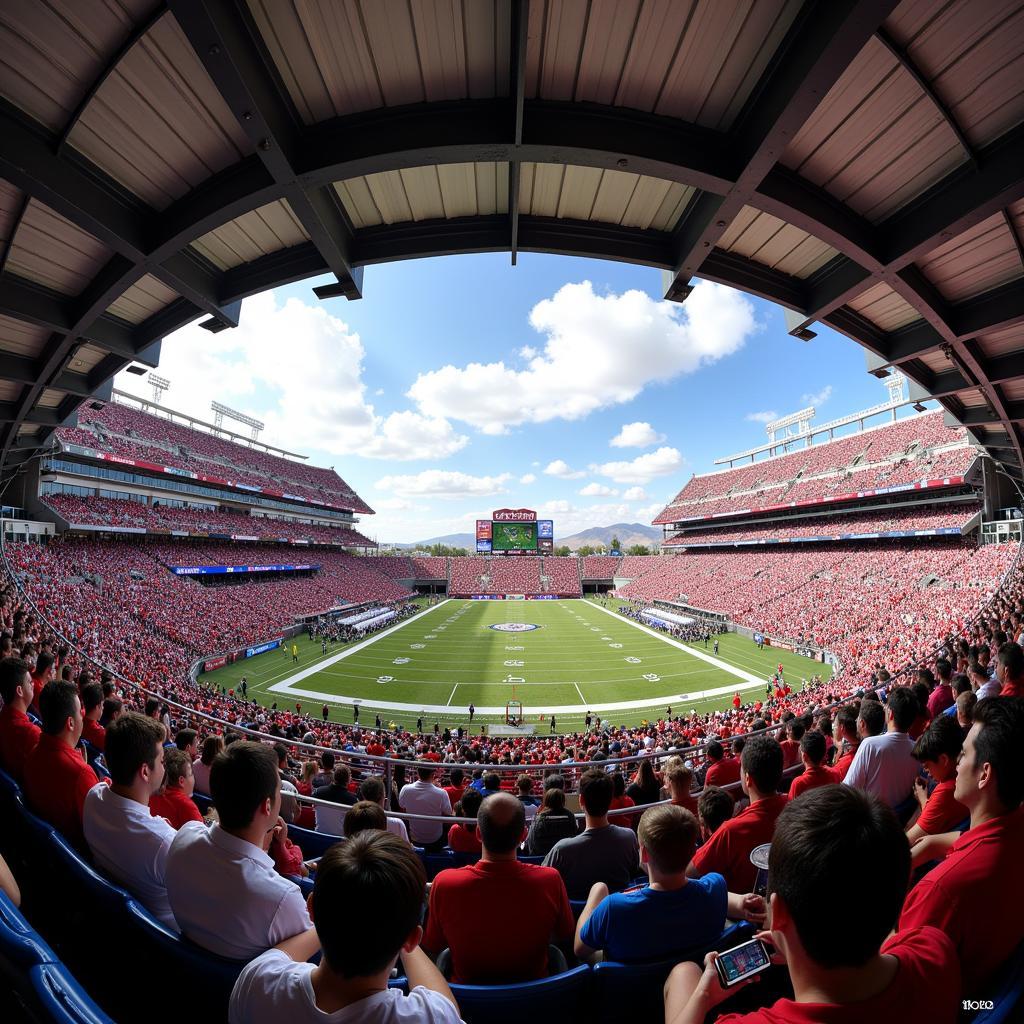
x=578, y=657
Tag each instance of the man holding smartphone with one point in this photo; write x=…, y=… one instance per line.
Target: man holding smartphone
x=853, y=974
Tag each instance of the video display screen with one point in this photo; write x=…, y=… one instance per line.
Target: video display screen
x=514, y=537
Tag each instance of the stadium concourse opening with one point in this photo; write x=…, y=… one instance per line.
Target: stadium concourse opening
x=820, y=671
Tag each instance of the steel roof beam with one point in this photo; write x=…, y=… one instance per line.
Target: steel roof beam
x=520, y=10
x=249, y=84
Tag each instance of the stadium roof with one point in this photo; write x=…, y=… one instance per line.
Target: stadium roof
x=860, y=162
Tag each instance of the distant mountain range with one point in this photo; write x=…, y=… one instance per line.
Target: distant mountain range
x=596, y=536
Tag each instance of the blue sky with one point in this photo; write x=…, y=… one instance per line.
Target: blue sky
x=454, y=381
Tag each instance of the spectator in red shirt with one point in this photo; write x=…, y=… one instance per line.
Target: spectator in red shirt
x=791, y=746
x=92, y=709
x=457, y=787
x=714, y=807
x=42, y=674
x=1010, y=670
x=812, y=753
x=678, y=780
x=57, y=778
x=938, y=751
x=620, y=801
x=174, y=800
x=466, y=838
x=971, y=893
x=728, y=850
x=722, y=770
x=942, y=696
x=18, y=733
x=839, y=976
x=847, y=739
x=542, y=912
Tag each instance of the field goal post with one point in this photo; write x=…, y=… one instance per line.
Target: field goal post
x=514, y=712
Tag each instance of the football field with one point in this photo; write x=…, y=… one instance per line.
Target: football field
x=558, y=658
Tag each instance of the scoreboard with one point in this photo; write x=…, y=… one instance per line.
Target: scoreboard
x=515, y=531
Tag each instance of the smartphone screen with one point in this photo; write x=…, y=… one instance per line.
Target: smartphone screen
x=741, y=962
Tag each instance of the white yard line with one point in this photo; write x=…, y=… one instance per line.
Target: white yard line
x=580, y=692
x=452, y=694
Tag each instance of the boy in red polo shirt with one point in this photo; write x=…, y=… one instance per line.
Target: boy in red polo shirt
x=846, y=739
x=844, y=975
x=728, y=850
x=18, y=733
x=174, y=800
x=972, y=893
x=92, y=709
x=57, y=778
x=938, y=750
x=541, y=907
x=812, y=753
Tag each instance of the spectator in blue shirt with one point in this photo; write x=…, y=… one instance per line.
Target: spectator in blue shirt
x=672, y=913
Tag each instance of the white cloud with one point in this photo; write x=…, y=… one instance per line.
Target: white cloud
x=635, y=494
x=557, y=505
x=818, y=397
x=600, y=350
x=646, y=514
x=762, y=417
x=393, y=505
x=438, y=483
x=317, y=400
x=379, y=392
x=598, y=491
x=636, y=435
x=563, y=470
x=643, y=468
x=527, y=478
x=528, y=352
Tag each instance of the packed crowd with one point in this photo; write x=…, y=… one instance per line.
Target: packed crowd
x=878, y=521
x=131, y=433
x=160, y=518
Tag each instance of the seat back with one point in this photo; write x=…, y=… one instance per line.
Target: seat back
x=20, y=943
x=636, y=989
x=61, y=999
x=312, y=844
x=330, y=818
x=561, y=997
x=1007, y=992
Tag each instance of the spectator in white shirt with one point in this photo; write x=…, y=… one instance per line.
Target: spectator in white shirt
x=372, y=789
x=126, y=841
x=423, y=797
x=223, y=889
x=372, y=877
x=885, y=765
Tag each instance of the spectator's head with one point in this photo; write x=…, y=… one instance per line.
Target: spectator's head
x=44, y=666
x=342, y=776
x=844, y=724
x=796, y=730
x=829, y=833
x=187, y=740
x=524, y=785
x=870, y=719
x=668, y=836
x=761, y=767
x=112, y=708
x=363, y=815
x=714, y=751
x=327, y=761
x=714, y=806
x=901, y=709
x=554, y=781
x=938, y=748
x=596, y=791
x=990, y=776
x=501, y=819
x=812, y=749
x=961, y=684
x=376, y=877
x=457, y=775
x=152, y=707
x=60, y=710
x=372, y=789
x=944, y=670
x=246, y=788
x=469, y=805
x=678, y=778
x=965, y=709
x=425, y=773
x=92, y=701
x=618, y=784
x=212, y=746
x=1010, y=663
x=134, y=754
x=178, y=771
x=16, y=683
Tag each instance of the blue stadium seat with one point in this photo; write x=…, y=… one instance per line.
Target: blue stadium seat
x=313, y=844
x=434, y=863
x=577, y=907
x=202, y=801
x=635, y=990
x=61, y=999
x=560, y=997
x=1008, y=995
x=20, y=943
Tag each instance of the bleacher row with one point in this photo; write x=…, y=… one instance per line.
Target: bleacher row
x=896, y=455
x=127, y=433
x=159, y=518
x=529, y=574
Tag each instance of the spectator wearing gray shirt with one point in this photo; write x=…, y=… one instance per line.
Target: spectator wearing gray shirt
x=603, y=852
x=885, y=765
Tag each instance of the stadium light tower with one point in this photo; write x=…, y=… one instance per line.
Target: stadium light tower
x=159, y=386
x=220, y=411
